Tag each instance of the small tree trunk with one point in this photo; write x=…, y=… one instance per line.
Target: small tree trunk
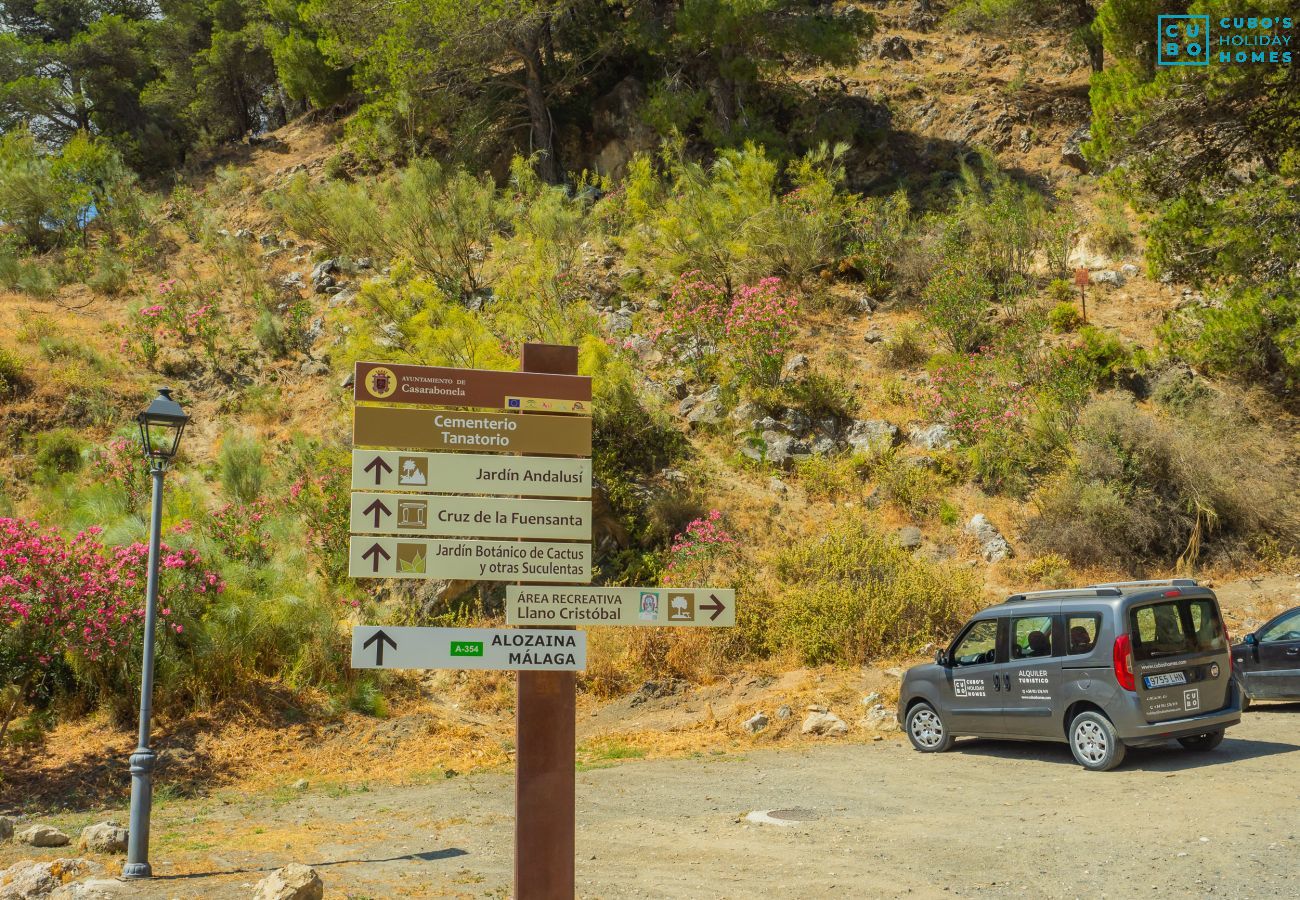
x=539, y=114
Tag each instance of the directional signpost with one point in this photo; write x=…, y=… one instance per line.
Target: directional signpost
x=435, y=497
x=470, y=473
x=680, y=607
x=538, y=650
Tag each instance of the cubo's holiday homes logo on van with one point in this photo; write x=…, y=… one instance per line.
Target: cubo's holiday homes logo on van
x=1191, y=41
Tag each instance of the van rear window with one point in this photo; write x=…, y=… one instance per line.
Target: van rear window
x=1175, y=627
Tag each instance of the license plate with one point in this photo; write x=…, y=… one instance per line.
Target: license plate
x=1164, y=679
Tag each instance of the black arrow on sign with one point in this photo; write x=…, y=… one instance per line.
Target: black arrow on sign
x=377, y=507
x=716, y=606
x=382, y=638
x=375, y=551
x=379, y=467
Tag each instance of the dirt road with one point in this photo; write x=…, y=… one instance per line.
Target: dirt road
x=989, y=819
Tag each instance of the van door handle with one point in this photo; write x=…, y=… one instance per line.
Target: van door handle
x=1008, y=680
x=1294, y=651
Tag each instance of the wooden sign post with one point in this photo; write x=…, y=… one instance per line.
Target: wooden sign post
x=546, y=741
x=1082, y=278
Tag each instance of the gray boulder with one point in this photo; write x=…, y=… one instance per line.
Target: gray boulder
x=710, y=412
x=6, y=828
x=28, y=879
x=755, y=723
x=92, y=889
x=292, y=281
x=874, y=336
x=103, y=837
x=793, y=366
x=993, y=546
x=1128, y=270
x=909, y=537
x=864, y=435
x=931, y=437
x=823, y=722
x=796, y=420
x=894, y=47
x=42, y=836
x=1072, y=149
x=293, y=882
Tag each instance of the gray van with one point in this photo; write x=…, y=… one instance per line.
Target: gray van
x=1102, y=668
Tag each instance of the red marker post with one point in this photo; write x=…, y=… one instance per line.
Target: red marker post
x=1081, y=278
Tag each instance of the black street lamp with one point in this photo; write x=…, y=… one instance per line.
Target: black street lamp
x=161, y=426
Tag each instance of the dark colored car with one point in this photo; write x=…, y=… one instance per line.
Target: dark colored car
x=1266, y=664
x=1100, y=668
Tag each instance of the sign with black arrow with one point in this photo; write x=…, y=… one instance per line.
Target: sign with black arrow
x=509, y=649
x=402, y=557
x=488, y=517
x=470, y=473
x=674, y=607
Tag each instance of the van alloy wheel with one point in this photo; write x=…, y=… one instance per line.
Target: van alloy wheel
x=1095, y=744
x=926, y=730
x=1090, y=742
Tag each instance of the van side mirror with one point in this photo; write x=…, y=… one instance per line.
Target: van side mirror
x=1251, y=639
x=941, y=658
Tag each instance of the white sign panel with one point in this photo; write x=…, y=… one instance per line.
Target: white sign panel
x=425, y=514
x=530, y=649
x=547, y=561
x=470, y=473
x=680, y=607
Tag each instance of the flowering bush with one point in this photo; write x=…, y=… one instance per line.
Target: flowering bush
x=977, y=399
x=78, y=602
x=321, y=500
x=239, y=529
x=181, y=315
x=122, y=463
x=701, y=543
x=760, y=326
x=755, y=326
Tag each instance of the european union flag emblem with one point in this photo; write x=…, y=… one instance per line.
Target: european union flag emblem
x=513, y=403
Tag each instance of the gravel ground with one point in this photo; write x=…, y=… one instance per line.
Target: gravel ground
x=989, y=819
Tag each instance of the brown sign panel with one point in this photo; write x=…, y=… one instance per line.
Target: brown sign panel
x=412, y=428
x=436, y=386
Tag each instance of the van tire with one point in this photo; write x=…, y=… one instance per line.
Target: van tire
x=1203, y=743
x=927, y=730
x=1094, y=742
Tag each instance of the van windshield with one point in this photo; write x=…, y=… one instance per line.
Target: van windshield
x=1174, y=627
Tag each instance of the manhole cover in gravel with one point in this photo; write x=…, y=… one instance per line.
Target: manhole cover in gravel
x=781, y=816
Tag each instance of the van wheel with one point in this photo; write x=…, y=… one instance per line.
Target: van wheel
x=1203, y=742
x=1095, y=744
x=926, y=730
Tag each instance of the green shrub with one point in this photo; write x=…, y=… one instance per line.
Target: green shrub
x=1064, y=318
x=1254, y=335
x=270, y=337
x=1061, y=290
x=906, y=482
x=37, y=279
x=879, y=227
x=905, y=349
x=729, y=221
x=242, y=469
x=1111, y=229
x=442, y=220
x=111, y=274
x=1143, y=490
x=957, y=308
x=58, y=452
x=833, y=478
x=12, y=371
x=850, y=594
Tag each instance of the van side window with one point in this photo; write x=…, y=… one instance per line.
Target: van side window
x=1081, y=633
x=979, y=644
x=1031, y=636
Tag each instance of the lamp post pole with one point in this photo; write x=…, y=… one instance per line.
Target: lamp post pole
x=161, y=427
x=143, y=759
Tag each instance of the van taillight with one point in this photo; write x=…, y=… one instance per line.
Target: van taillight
x=1124, y=663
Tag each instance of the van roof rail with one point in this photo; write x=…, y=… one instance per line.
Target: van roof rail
x=1094, y=590
x=1153, y=582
